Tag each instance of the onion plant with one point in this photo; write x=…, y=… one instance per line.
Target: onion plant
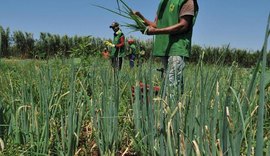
x=260, y=125
x=125, y=11
x=0, y=42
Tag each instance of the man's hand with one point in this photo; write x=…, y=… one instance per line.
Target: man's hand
x=149, y=30
x=145, y=31
x=107, y=43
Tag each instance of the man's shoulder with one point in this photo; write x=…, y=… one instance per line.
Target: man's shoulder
x=189, y=8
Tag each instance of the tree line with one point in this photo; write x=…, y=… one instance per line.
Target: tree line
x=24, y=45
x=226, y=56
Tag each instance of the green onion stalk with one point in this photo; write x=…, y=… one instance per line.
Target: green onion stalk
x=126, y=12
x=260, y=125
x=0, y=43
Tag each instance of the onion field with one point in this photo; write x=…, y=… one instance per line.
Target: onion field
x=69, y=107
x=79, y=105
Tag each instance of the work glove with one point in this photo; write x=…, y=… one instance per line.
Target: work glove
x=107, y=43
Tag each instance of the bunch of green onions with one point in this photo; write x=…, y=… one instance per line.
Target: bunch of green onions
x=127, y=12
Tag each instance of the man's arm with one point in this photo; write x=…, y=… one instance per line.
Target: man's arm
x=184, y=25
x=122, y=42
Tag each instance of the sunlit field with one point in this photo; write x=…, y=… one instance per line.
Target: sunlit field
x=84, y=107
x=60, y=97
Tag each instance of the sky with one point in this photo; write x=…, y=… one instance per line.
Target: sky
x=238, y=23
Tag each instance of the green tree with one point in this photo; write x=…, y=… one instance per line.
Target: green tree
x=19, y=43
x=30, y=44
x=0, y=42
x=5, y=42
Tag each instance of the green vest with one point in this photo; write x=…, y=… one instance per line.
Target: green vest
x=171, y=45
x=118, y=52
x=132, y=49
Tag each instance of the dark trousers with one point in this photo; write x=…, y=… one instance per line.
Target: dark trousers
x=117, y=62
x=131, y=60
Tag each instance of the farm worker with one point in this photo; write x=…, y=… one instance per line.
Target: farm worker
x=131, y=52
x=173, y=27
x=105, y=53
x=118, y=46
x=141, y=55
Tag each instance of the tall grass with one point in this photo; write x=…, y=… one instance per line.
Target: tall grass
x=47, y=111
x=44, y=105
x=260, y=125
x=106, y=96
x=0, y=43
x=218, y=109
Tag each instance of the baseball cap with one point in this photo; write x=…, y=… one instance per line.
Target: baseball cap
x=130, y=41
x=114, y=24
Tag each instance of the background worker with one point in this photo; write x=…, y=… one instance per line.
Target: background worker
x=105, y=53
x=118, y=46
x=173, y=29
x=141, y=55
x=131, y=52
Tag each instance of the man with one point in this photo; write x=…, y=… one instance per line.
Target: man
x=173, y=29
x=105, y=53
x=132, y=52
x=141, y=55
x=118, y=46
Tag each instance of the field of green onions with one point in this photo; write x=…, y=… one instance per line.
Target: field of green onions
x=83, y=107
x=73, y=107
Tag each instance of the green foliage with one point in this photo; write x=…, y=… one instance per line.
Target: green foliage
x=24, y=43
x=125, y=11
x=80, y=50
x=260, y=126
x=62, y=107
x=1, y=29
x=52, y=45
x=70, y=107
x=5, y=42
